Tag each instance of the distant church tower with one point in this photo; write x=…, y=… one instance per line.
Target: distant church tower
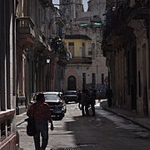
x=97, y=8
x=71, y=9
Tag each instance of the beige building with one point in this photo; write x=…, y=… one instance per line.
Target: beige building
x=78, y=68
x=87, y=24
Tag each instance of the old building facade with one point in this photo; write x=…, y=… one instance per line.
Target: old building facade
x=28, y=61
x=33, y=48
x=86, y=24
x=38, y=60
x=8, y=136
x=79, y=66
x=126, y=47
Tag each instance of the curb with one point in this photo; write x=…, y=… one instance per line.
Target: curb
x=127, y=118
x=20, y=122
x=21, y=119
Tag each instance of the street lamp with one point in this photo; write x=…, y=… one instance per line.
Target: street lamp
x=48, y=60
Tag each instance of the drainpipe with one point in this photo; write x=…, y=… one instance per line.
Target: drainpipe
x=30, y=73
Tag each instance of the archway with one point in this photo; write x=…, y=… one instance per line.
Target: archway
x=71, y=83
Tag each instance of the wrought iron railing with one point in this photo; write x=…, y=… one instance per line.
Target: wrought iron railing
x=81, y=60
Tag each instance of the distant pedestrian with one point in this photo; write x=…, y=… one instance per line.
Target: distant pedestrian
x=98, y=96
x=84, y=102
x=42, y=114
x=109, y=95
x=92, y=97
x=79, y=98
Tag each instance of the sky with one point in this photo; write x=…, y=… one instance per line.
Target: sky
x=84, y=3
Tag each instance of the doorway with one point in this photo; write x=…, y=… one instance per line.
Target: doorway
x=71, y=83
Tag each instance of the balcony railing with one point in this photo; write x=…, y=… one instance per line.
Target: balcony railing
x=81, y=60
x=123, y=12
x=25, y=25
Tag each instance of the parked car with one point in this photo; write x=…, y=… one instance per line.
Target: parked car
x=100, y=95
x=70, y=96
x=56, y=103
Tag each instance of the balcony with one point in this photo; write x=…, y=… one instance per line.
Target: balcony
x=62, y=61
x=46, y=3
x=25, y=30
x=40, y=43
x=81, y=60
x=25, y=25
x=141, y=13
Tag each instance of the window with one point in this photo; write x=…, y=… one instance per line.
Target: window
x=102, y=78
x=71, y=48
x=83, y=49
x=93, y=79
x=139, y=78
x=71, y=43
x=90, y=52
x=84, y=80
x=5, y=129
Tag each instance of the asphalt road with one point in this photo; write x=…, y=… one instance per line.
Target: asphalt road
x=105, y=131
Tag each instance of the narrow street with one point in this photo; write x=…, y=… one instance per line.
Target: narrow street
x=105, y=131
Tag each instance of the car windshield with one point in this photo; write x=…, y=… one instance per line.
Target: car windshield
x=51, y=96
x=70, y=93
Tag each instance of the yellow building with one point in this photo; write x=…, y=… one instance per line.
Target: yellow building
x=78, y=69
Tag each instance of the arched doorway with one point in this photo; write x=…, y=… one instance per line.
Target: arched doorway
x=71, y=83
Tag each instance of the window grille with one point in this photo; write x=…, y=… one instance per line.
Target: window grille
x=3, y=131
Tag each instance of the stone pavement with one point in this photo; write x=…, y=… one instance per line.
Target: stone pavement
x=142, y=121
x=21, y=118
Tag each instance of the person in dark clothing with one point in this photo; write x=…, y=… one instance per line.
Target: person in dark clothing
x=84, y=103
x=92, y=101
x=109, y=95
x=79, y=98
x=42, y=114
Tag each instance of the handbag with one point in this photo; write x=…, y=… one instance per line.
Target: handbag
x=31, y=129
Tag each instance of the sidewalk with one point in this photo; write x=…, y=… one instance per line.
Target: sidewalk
x=142, y=121
x=21, y=118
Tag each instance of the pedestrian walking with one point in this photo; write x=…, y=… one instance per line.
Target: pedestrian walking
x=84, y=102
x=109, y=95
x=42, y=115
x=79, y=99
x=92, y=97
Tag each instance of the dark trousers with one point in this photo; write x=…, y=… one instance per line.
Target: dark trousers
x=42, y=128
x=93, y=109
x=109, y=102
x=85, y=110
